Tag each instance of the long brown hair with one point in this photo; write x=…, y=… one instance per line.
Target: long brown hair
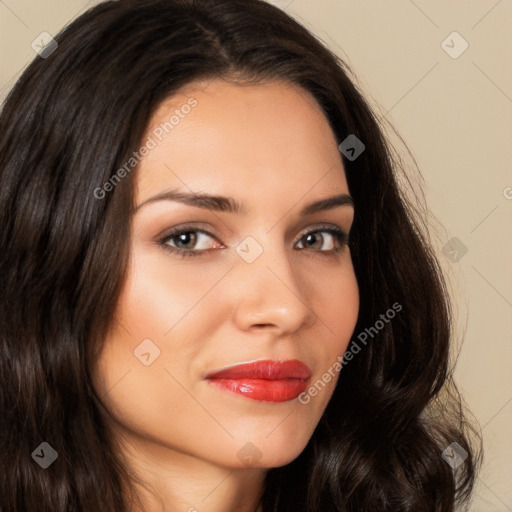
x=71, y=121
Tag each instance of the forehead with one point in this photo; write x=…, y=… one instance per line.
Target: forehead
x=243, y=139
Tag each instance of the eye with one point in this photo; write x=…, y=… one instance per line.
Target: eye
x=191, y=241
x=334, y=242
x=187, y=241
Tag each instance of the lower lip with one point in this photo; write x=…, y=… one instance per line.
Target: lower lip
x=282, y=390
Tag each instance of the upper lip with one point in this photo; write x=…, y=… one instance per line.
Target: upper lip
x=265, y=370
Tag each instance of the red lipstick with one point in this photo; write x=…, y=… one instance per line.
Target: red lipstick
x=269, y=381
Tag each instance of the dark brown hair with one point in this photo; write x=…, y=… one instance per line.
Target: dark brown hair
x=72, y=119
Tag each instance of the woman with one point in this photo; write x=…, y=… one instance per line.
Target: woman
x=216, y=297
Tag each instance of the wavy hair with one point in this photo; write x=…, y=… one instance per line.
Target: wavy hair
x=72, y=119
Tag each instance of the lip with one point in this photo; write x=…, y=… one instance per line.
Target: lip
x=264, y=380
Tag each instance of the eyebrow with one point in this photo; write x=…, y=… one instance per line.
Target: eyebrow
x=231, y=205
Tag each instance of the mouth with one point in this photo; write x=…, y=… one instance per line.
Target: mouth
x=264, y=380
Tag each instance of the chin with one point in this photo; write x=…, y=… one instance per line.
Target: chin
x=268, y=453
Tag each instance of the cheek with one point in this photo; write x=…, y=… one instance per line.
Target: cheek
x=162, y=320
x=161, y=293
x=338, y=307
x=156, y=306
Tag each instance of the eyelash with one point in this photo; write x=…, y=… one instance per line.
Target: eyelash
x=340, y=236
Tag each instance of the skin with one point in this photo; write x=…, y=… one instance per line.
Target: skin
x=270, y=147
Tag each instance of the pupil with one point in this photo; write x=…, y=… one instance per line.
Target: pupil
x=185, y=238
x=311, y=236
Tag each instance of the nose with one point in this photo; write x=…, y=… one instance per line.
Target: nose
x=271, y=294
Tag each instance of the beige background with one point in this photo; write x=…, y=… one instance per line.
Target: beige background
x=455, y=116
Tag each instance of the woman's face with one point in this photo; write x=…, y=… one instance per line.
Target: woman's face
x=267, y=283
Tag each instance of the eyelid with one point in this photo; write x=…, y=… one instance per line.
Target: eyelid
x=324, y=227
x=196, y=226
